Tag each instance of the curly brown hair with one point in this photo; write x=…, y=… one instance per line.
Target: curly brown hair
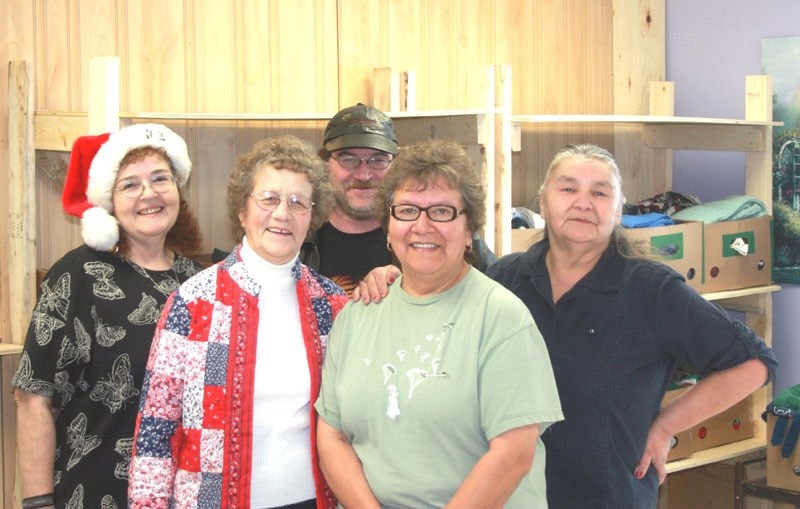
x=282, y=153
x=184, y=236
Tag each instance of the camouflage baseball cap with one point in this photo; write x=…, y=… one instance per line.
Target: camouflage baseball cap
x=360, y=126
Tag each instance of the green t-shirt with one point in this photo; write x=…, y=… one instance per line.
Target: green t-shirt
x=420, y=386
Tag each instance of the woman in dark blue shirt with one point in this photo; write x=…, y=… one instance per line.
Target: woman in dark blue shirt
x=615, y=324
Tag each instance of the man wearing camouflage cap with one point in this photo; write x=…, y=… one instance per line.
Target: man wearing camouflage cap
x=359, y=145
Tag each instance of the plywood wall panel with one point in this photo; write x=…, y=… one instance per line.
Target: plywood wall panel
x=363, y=44
x=54, y=69
x=319, y=55
x=153, y=58
x=56, y=231
x=562, y=63
x=639, y=49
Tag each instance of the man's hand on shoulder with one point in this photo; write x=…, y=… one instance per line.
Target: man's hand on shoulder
x=375, y=285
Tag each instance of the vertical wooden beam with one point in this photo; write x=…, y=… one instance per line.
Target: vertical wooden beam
x=662, y=103
x=408, y=91
x=103, y=95
x=394, y=91
x=639, y=58
x=19, y=244
x=21, y=236
x=382, y=88
x=758, y=164
x=502, y=158
x=481, y=95
x=758, y=183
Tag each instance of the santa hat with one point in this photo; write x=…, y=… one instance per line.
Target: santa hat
x=93, y=168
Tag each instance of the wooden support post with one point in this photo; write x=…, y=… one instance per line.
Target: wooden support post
x=662, y=103
x=103, y=95
x=480, y=89
x=502, y=158
x=758, y=106
x=20, y=246
x=21, y=236
x=394, y=91
x=385, y=90
x=408, y=91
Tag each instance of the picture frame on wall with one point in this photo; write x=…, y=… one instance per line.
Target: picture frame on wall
x=780, y=58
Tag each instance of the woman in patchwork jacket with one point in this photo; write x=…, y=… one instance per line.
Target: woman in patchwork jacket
x=226, y=417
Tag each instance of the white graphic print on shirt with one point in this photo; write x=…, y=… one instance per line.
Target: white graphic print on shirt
x=424, y=363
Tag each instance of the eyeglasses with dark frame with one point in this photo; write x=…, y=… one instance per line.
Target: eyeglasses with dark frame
x=436, y=213
x=269, y=200
x=351, y=162
x=133, y=188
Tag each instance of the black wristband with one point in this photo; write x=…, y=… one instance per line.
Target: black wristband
x=38, y=501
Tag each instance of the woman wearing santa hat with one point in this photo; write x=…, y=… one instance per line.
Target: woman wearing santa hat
x=82, y=368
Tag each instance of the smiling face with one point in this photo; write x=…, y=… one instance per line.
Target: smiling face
x=431, y=253
x=356, y=189
x=146, y=219
x=277, y=234
x=581, y=202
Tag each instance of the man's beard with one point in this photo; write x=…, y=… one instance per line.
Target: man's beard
x=357, y=213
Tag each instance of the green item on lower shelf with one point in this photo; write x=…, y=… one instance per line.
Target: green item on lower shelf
x=786, y=407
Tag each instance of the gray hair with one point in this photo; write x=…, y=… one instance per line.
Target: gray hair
x=589, y=152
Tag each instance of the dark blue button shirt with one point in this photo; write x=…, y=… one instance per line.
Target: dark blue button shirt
x=614, y=340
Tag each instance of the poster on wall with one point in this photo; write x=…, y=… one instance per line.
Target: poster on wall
x=780, y=58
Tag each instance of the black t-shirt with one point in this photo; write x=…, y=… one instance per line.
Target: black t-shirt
x=347, y=257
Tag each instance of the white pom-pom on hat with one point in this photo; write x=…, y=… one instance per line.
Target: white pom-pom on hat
x=93, y=168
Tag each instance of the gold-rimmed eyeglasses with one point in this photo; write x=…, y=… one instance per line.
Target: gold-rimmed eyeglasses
x=269, y=200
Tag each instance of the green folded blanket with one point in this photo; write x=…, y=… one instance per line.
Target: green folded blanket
x=729, y=209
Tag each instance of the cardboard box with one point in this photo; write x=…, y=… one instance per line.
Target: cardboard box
x=523, y=238
x=732, y=425
x=709, y=487
x=680, y=246
x=781, y=472
x=727, y=269
x=681, y=446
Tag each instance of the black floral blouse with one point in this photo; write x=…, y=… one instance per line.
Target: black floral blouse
x=86, y=349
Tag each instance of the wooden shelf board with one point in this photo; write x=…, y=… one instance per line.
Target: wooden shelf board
x=10, y=349
x=716, y=454
x=636, y=119
x=742, y=292
x=292, y=116
x=58, y=130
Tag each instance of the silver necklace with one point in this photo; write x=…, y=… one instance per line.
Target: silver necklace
x=165, y=286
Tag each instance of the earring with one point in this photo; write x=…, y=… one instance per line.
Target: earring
x=388, y=245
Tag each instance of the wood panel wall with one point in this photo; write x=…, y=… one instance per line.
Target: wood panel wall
x=302, y=56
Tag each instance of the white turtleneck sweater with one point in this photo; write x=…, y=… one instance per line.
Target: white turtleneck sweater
x=282, y=469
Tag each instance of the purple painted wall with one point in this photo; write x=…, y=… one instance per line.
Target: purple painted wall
x=711, y=46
